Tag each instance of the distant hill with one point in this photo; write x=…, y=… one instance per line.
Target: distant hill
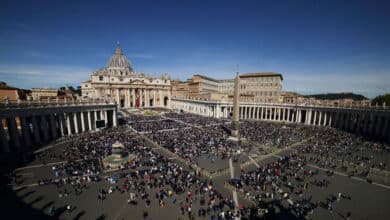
x=333, y=96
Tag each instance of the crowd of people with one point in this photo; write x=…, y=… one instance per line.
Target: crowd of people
x=150, y=179
x=154, y=126
x=273, y=134
x=153, y=179
x=196, y=120
x=284, y=183
x=192, y=143
x=346, y=152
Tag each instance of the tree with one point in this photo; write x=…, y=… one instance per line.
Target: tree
x=380, y=99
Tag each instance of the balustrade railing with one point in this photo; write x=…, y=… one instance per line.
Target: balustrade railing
x=52, y=103
x=295, y=105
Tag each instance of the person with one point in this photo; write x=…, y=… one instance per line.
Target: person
x=69, y=208
x=348, y=216
x=52, y=210
x=145, y=214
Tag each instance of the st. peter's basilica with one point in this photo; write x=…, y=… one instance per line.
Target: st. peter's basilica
x=128, y=88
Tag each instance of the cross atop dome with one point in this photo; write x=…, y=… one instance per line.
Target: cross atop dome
x=118, y=49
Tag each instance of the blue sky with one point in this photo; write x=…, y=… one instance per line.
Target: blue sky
x=318, y=46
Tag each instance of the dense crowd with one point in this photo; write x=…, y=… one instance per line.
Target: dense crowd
x=195, y=142
x=284, y=183
x=273, y=134
x=196, y=120
x=135, y=118
x=154, y=126
x=334, y=149
x=152, y=179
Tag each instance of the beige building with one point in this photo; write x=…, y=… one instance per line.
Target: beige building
x=10, y=93
x=43, y=93
x=255, y=87
x=262, y=87
x=129, y=89
x=180, y=89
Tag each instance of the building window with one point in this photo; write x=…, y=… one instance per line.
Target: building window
x=101, y=78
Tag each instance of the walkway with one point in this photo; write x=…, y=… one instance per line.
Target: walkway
x=235, y=196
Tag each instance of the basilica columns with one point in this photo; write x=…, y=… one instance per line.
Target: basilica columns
x=105, y=118
x=133, y=97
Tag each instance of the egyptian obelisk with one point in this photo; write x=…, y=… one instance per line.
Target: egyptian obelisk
x=236, y=106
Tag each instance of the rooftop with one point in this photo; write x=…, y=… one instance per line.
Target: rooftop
x=261, y=74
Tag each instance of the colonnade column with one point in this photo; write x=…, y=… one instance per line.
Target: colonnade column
x=68, y=124
x=89, y=121
x=53, y=126
x=325, y=118
x=37, y=137
x=62, y=123
x=76, y=126
x=45, y=128
x=82, y=121
x=261, y=115
x=25, y=131
x=386, y=128
x=3, y=138
x=13, y=132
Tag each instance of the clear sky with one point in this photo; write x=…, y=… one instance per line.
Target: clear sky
x=318, y=46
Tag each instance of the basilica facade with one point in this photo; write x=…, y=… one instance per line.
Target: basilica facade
x=128, y=88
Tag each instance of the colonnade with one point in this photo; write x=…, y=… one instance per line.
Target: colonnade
x=368, y=122
x=138, y=97
x=23, y=128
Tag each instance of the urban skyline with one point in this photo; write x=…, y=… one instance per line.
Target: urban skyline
x=317, y=46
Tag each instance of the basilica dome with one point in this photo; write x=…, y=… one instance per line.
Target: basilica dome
x=118, y=60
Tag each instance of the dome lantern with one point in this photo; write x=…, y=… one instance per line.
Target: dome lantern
x=119, y=60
